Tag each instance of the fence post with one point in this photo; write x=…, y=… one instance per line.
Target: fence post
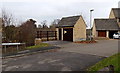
x=47, y=36
x=55, y=35
x=36, y=34
x=41, y=34
x=5, y=49
x=17, y=48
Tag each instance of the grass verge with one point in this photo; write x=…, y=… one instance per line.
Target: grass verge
x=38, y=46
x=112, y=60
x=41, y=46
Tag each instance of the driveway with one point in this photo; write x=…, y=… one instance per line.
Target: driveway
x=51, y=61
x=101, y=48
x=71, y=57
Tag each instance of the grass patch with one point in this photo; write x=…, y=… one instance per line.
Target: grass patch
x=112, y=60
x=38, y=46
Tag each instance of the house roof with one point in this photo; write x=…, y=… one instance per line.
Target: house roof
x=68, y=21
x=106, y=24
x=116, y=12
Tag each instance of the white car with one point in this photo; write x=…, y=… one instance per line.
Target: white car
x=116, y=35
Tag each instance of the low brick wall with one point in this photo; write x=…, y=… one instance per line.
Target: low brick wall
x=50, y=39
x=37, y=41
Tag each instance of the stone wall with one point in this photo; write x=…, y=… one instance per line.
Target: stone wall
x=79, y=30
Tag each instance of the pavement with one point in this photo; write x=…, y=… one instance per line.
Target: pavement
x=103, y=48
x=71, y=57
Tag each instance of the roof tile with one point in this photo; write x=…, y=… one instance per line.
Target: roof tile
x=106, y=24
x=68, y=21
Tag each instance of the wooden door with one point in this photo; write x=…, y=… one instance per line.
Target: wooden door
x=101, y=33
x=68, y=34
x=60, y=32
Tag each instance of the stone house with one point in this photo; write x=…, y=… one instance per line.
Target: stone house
x=107, y=27
x=115, y=14
x=71, y=29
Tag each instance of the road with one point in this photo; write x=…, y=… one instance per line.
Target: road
x=71, y=57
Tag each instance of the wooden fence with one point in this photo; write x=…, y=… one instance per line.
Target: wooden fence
x=47, y=34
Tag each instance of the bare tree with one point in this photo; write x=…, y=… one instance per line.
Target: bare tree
x=54, y=23
x=0, y=24
x=44, y=24
x=7, y=18
x=8, y=28
x=39, y=26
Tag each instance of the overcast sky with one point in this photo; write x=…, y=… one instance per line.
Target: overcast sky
x=49, y=10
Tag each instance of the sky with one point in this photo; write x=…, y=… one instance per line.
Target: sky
x=49, y=10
